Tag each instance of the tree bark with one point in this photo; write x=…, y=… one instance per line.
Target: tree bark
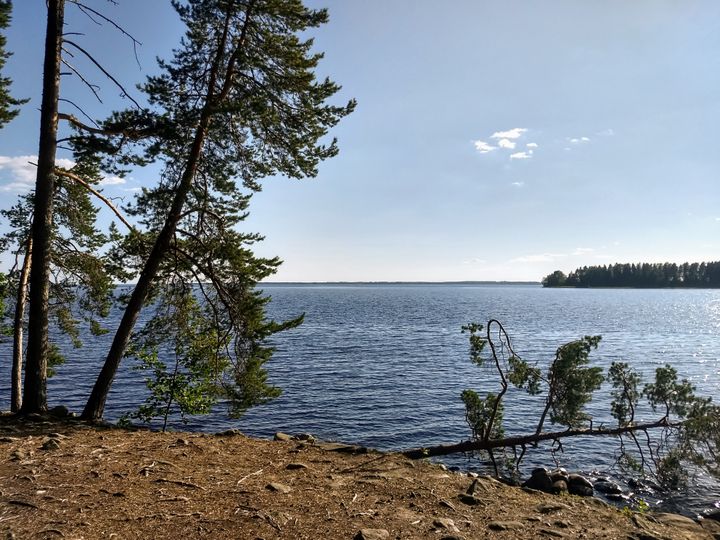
x=35, y=398
x=524, y=440
x=95, y=406
x=20, y=301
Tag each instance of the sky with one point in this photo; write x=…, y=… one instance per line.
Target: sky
x=493, y=139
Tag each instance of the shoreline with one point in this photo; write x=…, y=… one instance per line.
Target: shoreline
x=74, y=480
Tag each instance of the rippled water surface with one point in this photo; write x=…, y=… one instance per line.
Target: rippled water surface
x=383, y=365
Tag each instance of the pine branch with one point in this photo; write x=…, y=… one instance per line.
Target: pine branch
x=86, y=185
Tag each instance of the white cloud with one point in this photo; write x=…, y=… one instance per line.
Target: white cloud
x=518, y=184
x=521, y=155
x=21, y=172
x=506, y=143
x=579, y=140
x=542, y=257
x=513, y=133
x=132, y=189
x=532, y=145
x=112, y=181
x=483, y=147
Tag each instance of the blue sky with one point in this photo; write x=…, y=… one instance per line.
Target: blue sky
x=493, y=140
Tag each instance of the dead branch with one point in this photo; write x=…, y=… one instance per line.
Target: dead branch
x=103, y=70
x=86, y=185
x=520, y=440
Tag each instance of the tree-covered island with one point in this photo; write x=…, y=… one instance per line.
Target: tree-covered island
x=641, y=275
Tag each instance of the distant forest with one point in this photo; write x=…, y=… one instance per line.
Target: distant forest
x=649, y=275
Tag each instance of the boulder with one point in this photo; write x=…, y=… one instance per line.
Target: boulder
x=559, y=486
x=579, y=485
x=607, y=487
x=539, y=480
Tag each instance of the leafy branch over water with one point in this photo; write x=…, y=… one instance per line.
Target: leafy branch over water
x=684, y=429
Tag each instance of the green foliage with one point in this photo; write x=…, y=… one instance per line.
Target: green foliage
x=571, y=384
x=7, y=102
x=479, y=413
x=625, y=394
x=556, y=279
x=667, y=393
x=523, y=375
x=477, y=342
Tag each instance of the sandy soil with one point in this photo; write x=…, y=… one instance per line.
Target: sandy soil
x=68, y=480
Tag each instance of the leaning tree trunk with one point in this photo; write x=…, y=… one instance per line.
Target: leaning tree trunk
x=35, y=399
x=96, y=402
x=17, y=361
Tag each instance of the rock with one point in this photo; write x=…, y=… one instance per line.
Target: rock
x=504, y=525
x=681, y=522
x=579, y=485
x=60, y=411
x=713, y=514
x=296, y=466
x=559, y=474
x=8, y=439
x=306, y=437
x=470, y=500
x=552, y=507
x=278, y=487
x=539, y=480
x=19, y=455
x=371, y=534
x=451, y=537
x=563, y=524
x=279, y=436
x=559, y=486
x=51, y=444
x=445, y=524
x=607, y=487
x=229, y=433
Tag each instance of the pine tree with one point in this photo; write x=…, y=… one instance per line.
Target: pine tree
x=8, y=105
x=237, y=103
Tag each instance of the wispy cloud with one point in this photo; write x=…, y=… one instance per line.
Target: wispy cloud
x=20, y=171
x=513, y=133
x=483, y=147
x=579, y=140
x=506, y=143
x=521, y=155
x=112, y=181
x=532, y=145
x=518, y=184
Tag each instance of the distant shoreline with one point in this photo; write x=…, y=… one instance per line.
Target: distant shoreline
x=400, y=283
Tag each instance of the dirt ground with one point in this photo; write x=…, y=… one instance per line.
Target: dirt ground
x=69, y=480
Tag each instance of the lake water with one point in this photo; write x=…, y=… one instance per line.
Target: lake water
x=384, y=365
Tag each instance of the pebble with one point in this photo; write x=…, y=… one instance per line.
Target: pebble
x=504, y=525
x=278, y=487
x=445, y=524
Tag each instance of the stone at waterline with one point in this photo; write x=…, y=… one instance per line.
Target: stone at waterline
x=607, y=487
x=579, y=485
x=559, y=474
x=559, y=486
x=539, y=480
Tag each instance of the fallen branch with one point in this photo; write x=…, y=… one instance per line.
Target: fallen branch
x=179, y=483
x=522, y=440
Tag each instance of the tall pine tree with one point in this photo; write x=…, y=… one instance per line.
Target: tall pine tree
x=238, y=102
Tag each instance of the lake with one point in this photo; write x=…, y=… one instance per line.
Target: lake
x=384, y=365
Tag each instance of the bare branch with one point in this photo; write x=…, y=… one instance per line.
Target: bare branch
x=104, y=71
x=86, y=185
x=93, y=87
